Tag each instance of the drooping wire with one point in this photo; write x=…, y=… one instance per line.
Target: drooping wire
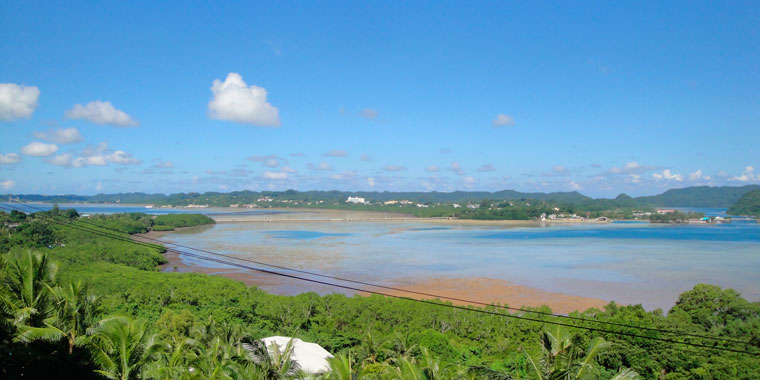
x=70, y=224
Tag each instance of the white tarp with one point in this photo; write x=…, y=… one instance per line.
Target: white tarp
x=310, y=356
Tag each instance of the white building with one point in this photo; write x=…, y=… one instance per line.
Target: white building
x=355, y=200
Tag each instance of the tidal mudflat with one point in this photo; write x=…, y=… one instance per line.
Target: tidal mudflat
x=566, y=266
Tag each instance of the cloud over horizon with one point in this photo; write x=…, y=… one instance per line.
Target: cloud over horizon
x=235, y=101
x=39, y=149
x=17, y=101
x=101, y=113
x=60, y=135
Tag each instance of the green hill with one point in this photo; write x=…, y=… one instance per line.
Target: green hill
x=748, y=204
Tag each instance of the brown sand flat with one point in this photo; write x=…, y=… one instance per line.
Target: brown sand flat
x=490, y=290
x=478, y=289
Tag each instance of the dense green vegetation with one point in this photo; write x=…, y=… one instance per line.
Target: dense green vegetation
x=74, y=303
x=748, y=204
x=698, y=196
x=675, y=217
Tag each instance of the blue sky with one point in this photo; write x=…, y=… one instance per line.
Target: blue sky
x=602, y=98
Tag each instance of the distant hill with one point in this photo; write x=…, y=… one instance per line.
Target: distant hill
x=747, y=205
x=699, y=196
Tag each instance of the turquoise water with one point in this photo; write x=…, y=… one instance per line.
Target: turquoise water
x=626, y=262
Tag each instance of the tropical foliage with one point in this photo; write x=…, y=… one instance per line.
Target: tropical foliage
x=92, y=307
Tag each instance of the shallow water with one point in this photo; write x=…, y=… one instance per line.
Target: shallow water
x=626, y=262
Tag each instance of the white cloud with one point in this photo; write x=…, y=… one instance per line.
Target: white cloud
x=371, y=182
x=60, y=135
x=9, y=158
x=432, y=169
x=288, y=169
x=468, y=181
x=336, y=153
x=368, y=113
x=486, y=168
x=235, y=101
x=39, y=149
x=7, y=184
x=122, y=157
x=502, y=120
x=275, y=175
x=67, y=160
x=747, y=175
x=344, y=175
x=667, y=175
x=16, y=101
x=697, y=175
x=574, y=185
x=101, y=113
x=98, y=155
x=394, y=168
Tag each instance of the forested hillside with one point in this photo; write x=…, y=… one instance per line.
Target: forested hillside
x=748, y=204
x=700, y=196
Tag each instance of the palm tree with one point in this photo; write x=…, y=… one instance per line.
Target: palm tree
x=73, y=311
x=561, y=359
x=121, y=347
x=274, y=363
x=25, y=295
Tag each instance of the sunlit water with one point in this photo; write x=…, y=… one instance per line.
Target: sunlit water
x=627, y=262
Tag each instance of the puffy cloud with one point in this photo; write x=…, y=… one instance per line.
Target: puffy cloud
x=9, y=158
x=365, y=157
x=368, y=113
x=468, y=181
x=574, y=185
x=502, y=120
x=275, y=175
x=39, y=149
x=335, y=153
x=60, y=135
x=432, y=169
x=288, y=169
x=235, y=101
x=486, y=168
x=16, y=101
x=371, y=182
x=697, y=175
x=98, y=155
x=747, y=175
x=101, y=113
x=667, y=175
x=121, y=157
x=394, y=168
x=7, y=184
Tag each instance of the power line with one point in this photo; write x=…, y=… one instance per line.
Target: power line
x=483, y=311
x=413, y=291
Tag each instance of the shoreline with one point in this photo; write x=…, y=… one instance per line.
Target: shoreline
x=481, y=290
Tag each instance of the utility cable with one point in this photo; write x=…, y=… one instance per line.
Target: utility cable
x=266, y=271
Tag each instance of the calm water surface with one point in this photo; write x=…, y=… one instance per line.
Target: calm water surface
x=627, y=262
